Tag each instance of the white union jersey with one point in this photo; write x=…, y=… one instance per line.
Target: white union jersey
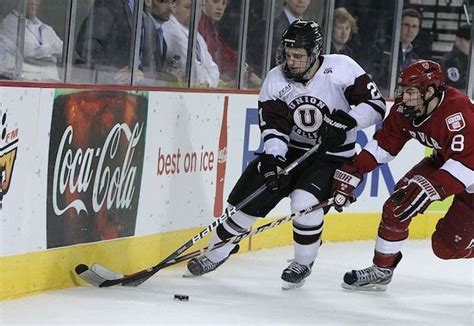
x=291, y=113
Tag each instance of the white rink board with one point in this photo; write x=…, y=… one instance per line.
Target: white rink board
x=169, y=201
x=23, y=220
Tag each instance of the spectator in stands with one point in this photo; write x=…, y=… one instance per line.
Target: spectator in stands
x=42, y=47
x=8, y=57
x=223, y=55
x=455, y=62
x=292, y=10
x=381, y=53
x=205, y=72
x=156, y=69
x=104, y=40
x=344, y=26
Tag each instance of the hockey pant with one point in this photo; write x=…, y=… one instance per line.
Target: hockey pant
x=454, y=235
x=306, y=230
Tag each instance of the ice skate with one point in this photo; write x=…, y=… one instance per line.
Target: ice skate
x=373, y=278
x=294, y=275
x=202, y=265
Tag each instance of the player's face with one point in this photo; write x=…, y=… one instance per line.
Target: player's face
x=214, y=9
x=297, y=60
x=341, y=32
x=411, y=99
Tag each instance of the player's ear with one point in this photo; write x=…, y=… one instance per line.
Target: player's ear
x=430, y=91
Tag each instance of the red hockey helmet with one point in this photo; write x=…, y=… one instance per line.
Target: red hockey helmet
x=422, y=74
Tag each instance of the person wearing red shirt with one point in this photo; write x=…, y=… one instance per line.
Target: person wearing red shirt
x=223, y=55
x=439, y=117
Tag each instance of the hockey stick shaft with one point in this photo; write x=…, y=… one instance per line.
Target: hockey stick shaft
x=236, y=239
x=140, y=277
x=102, y=280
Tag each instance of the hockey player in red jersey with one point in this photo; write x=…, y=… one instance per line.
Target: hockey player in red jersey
x=308, y=98
x=441, y=118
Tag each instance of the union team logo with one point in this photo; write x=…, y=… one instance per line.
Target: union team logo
x=308, y=114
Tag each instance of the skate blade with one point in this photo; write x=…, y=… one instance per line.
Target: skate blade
x=366, y=288
x=188, y=274
x=291, y=286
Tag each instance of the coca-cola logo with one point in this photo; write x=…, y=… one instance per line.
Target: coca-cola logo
x=222, y=155
x=76, y=170
x=95, y=166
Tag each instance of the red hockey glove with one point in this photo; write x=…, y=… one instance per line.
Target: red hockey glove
x=270, y=167
x=415, y=197
x=345, y=180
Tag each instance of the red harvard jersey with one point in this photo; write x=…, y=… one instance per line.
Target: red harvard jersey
x=449, y=130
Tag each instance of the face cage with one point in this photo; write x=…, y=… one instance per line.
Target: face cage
x=281, y=61
x=417, y=110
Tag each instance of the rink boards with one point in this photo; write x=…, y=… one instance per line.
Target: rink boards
x=125, y=177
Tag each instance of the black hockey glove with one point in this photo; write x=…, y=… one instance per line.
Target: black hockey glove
x=332, y=132
x=270, y=167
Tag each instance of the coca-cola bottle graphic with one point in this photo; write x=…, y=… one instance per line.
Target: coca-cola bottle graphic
x=221, y=163
x=96, y=152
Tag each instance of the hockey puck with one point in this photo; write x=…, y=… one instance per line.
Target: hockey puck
x=181, y=297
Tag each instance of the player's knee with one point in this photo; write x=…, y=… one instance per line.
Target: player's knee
x=307, y=228
x=441, y=249
x=235, y=225
x=390, y=227
x=301, y=199
x=388, y=217
x=242, y=220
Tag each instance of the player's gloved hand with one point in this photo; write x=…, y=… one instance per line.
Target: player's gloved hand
x=270, y=167
x=332, y=132
x=415, y=197
x=345, y=180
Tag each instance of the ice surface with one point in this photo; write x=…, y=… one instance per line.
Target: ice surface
x=246, y=290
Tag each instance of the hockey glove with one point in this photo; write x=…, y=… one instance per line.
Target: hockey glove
x=345, y=180
x=270, y=167
x=415, y=197
x=332, y=132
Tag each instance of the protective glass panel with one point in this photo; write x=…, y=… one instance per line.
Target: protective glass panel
x=162, y=58
x=220, y=25
x=31, y=39
x=445, y=37
x=371, y=43
x=287, y=11
x=204, y=71
x=103, y=42
x=256, y=43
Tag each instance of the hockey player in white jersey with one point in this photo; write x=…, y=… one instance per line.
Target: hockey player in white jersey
x=308, y=98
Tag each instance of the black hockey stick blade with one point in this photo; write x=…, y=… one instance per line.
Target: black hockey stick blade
x=97, y=275
x=101, y=276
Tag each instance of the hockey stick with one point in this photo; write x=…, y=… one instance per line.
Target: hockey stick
x=140, y=277
x=100, y=276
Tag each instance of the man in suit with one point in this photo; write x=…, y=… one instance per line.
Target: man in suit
x=292, y=10
x=104, y=39
x=154, y=48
